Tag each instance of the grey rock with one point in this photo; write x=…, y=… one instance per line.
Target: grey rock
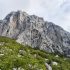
x=48, y=66
x=34, y=31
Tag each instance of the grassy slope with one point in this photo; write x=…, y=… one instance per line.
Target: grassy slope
x=14, y=55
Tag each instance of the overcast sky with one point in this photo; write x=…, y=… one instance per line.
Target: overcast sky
x=57, y=11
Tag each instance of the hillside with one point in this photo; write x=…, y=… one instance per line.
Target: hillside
x=14, y=56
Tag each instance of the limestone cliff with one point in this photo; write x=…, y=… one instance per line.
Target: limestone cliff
x=34, y=31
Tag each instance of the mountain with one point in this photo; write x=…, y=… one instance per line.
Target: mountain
x=14, y=56
x=34, y=31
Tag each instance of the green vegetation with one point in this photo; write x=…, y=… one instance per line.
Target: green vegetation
x=16, y=56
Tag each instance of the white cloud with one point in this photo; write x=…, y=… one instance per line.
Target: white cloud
x=49, y=7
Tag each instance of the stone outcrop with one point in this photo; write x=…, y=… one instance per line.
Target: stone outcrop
x=34, y=31
x=48, y=66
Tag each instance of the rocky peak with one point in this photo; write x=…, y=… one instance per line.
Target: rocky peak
x=34, y=31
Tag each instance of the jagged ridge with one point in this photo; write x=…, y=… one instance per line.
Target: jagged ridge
x=34, y=31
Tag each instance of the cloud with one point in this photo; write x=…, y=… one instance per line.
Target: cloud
x=47, y=6
x=62, y=16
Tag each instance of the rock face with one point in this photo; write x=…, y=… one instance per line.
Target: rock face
x=34, y=31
